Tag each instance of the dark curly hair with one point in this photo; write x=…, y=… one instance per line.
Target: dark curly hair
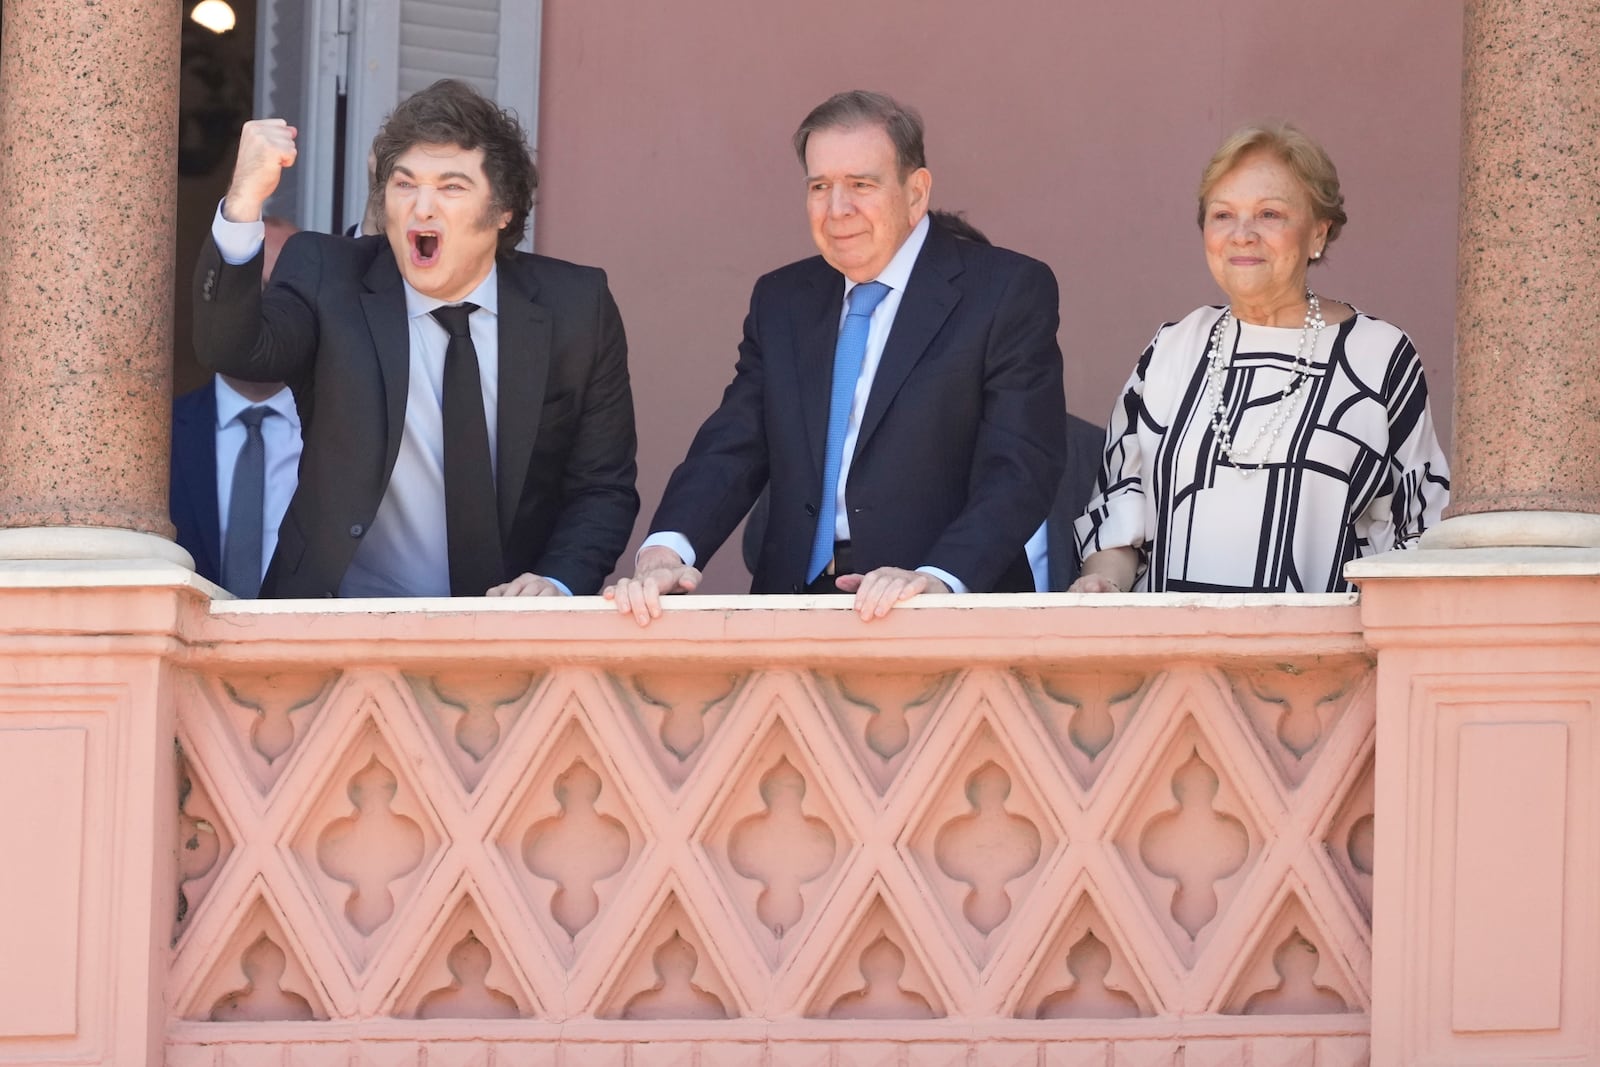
x=451, y=112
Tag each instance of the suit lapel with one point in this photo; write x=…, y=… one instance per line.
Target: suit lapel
x=927, y=302
x=525, y=341
x=384, y=304
x=196, y=447
x=816, y=334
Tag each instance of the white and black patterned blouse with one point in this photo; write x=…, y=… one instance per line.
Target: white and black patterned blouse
x=1355, y=471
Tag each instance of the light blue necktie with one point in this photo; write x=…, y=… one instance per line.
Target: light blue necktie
x=847, y=358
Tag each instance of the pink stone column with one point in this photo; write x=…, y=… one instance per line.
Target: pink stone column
x=88, y=116
x=1486, y=943
x=1527, y=402
x=88, y=141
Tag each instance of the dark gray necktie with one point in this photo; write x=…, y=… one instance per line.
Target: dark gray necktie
x=241, y=551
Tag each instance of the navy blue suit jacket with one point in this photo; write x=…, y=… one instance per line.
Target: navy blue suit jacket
x=192, y=503
x=1085, y=451
x=961, y=444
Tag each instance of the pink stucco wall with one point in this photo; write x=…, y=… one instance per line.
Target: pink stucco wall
x=1072, y=132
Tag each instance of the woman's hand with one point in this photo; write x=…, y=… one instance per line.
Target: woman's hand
x=1095, y=583
x=1110, y=570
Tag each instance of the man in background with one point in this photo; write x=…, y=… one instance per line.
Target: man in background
x=371, y=224
x=1053, y=550
x=235, y=461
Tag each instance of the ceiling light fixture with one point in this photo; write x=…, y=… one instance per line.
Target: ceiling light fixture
x=215, y=15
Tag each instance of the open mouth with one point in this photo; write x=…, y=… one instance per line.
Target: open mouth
x=424, y=247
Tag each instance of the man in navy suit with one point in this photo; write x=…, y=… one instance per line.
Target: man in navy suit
x=1053, y=550
x=206, y=427
x=952, y=435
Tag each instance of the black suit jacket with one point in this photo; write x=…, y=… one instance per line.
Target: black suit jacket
x=961, y=442
x=1085, y=450
x=333, y=325
x=192, y=502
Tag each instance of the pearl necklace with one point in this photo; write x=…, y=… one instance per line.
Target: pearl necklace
x=1216, y=377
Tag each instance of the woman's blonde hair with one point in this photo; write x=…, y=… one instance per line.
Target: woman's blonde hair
x=1303, y=156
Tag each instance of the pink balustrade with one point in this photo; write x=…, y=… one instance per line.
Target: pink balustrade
x=1005, y=833
x=1048, y=831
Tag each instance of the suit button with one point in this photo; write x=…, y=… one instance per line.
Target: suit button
x=357, y=530
x=210, y=284
x=797, y=588
x=811, y=509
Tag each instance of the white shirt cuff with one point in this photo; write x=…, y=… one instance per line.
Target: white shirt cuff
x=667, y=539
x=558, y=583
x=956, y=584
x=237, y=241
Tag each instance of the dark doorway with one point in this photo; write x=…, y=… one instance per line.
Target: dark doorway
x=215, y=96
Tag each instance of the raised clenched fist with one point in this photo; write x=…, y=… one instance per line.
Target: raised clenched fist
x=266, y=146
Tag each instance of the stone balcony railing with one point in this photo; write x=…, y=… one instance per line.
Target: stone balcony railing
x=986, y=830
x=762, y=826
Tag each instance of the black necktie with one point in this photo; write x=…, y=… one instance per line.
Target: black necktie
x=241, y=550
x=472, y=523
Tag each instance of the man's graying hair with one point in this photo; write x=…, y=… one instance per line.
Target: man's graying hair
x=858, y=107
x=452, y=112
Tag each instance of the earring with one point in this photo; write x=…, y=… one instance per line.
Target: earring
x=1317, y=254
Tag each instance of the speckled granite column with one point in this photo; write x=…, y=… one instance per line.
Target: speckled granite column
x=88, y=131
x=1527, y=404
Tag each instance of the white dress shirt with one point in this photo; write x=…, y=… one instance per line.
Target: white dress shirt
x=896, y=276
x=280, y=434
x=1038, y=549
x=405, y=550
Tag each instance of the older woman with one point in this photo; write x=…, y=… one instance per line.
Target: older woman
x=1262, y=445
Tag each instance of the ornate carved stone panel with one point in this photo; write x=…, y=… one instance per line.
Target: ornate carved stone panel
x=265, y=717
x=364, y=843
x=984, y=839
x=1351, y=841
x=1085, y=712
x=684, y=860
x=1289, y=970
x=258, y=974
x=467, y=972
x=569, y=838
x=1188, y=839
x=204, y=843
x=1086, y=971
x=877, y=972
x=1293, y=707
x=676, y=713
x=882, y=714
x=471, y=713
x=671, y=972
x=777, y=842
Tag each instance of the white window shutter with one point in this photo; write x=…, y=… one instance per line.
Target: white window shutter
x=297, y=79
x=401, y=46
x=314, y=56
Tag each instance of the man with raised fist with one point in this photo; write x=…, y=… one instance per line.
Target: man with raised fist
x=466, y=410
